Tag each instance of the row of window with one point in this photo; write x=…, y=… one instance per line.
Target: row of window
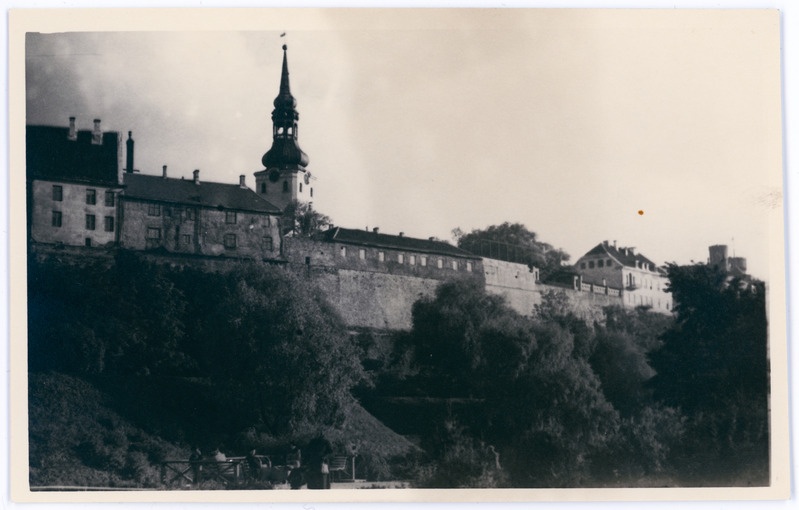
x=412, y=259
x=599, y=263
x=91, y=221
x=188, y=213
x=230, y=241
x=91, y=196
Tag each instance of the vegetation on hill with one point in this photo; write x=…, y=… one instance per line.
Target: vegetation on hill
x=249, y=358
x=133, y=362
x=549, y=401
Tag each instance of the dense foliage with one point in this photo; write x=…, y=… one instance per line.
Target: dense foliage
x=255, y=348
x=561, y=403
x=513, y=242
x=255, y=357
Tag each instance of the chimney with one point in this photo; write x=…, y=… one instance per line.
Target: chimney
x=163, y=171
x=73, y=132
x=605, y=243
x=376, y=230
x=402, y=234
x=241, y=181
x=97, y=133
x=431, y=238
x=614, y=243
x=197, y=177
x=129, y=144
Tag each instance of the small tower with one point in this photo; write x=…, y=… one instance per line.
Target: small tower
x=284, y=177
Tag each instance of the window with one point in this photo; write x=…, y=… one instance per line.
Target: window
x=110, y=198
x=469, y=267
x=153, y=233
x=153, y=209
x=440, y=263
x=582, y=265
x=230, y=217
x=87, y=241
x=401, y=258
x=109, y=223
x=412, y=260
x=268, y=243
x=343, y=251
x=263, y=187
x=285, y=186
x=609, y=263
x=455, y=265
x=381, y=256
x=423, y=261
x=167, y=211
x=600, y=263
x=58, y=193
x=311, y=192
x=191, y=214
x=186, y=239
x=230, y=241
x=361, y=254
x=591, y=264
x=91, y=196
x=300, y=187
x=56, y=218
x=90, y=222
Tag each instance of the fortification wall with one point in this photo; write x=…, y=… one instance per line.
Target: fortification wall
x=520, y=287
x=371, y=299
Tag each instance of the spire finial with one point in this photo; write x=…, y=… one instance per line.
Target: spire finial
x=285, y=47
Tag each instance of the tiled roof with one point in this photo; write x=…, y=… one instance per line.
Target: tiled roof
x=184, y=191
x=378, y=240
x=625, y=256
x=50, y=155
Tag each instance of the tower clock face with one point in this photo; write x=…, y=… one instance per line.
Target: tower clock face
x=307, y=178
x=274, y=175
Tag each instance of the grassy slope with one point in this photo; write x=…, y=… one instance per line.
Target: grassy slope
x=84, y=436
x=76, y=438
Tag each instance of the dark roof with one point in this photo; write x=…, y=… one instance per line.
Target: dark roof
x=184, y=191
x=51, y=155
x=624, y=256
x=377, y=240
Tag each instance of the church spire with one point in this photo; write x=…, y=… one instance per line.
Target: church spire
x=284, y=178
x=285, y=152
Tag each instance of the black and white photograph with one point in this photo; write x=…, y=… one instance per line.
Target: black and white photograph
x=276, y=253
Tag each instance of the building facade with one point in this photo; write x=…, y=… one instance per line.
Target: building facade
x=200, y=218
x=639, y=281
x=73, y=180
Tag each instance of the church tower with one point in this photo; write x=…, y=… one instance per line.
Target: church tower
x=284, y=177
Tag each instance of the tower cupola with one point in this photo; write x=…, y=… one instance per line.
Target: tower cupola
x=284, y=178
x=285, y=152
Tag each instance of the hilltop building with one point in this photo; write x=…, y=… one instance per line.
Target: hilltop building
x=73, y=179
x=733, y=266
x=637, y=279
x=80, y=196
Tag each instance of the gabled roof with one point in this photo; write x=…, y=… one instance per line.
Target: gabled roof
x=185, y=191
x=378, y=240
x=624, y=256
x=51, y=155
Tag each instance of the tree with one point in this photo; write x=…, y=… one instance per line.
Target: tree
x=301, y=219
x=620, y=355
x=512, y=242
x=714, y=364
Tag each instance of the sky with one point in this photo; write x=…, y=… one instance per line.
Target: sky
x=656, y=129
